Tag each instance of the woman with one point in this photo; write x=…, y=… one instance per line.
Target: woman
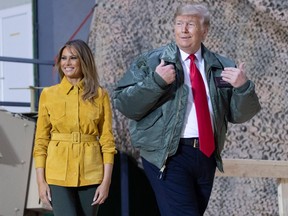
x=74, y=144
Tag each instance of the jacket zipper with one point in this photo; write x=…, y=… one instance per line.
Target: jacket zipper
x=161, y=171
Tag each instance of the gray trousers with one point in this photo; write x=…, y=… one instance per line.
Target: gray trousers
x=73, y=201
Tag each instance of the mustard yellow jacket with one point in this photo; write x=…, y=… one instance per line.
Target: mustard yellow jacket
x=73, y=137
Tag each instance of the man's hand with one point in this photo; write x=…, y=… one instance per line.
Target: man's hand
x=235, y=76
x=167, y=72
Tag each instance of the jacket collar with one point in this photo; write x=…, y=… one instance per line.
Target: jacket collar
x=211, y=61
x=171, y=54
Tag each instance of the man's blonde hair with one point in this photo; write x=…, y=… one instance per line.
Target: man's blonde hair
x=195, y=9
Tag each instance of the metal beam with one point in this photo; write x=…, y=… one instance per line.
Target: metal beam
x=26, y=60
x=18, y=104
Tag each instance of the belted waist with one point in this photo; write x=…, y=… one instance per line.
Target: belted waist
x=74, y=137
x=194, y=142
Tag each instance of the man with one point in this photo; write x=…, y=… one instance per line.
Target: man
x=180, y=98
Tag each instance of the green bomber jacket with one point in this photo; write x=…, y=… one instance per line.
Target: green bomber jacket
x=156, y=110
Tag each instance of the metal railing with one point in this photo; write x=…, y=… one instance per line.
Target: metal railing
x=32, y=88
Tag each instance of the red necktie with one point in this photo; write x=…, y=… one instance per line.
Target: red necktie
x=206, y=137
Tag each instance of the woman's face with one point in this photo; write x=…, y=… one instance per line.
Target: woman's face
x=70, y=65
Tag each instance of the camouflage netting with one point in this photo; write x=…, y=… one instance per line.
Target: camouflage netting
x=254, y=31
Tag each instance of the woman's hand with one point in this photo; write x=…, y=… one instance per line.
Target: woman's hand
x=101, y=193
x=43, y=189
x=102, y=190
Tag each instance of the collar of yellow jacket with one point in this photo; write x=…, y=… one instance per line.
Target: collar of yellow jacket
x=66, y=86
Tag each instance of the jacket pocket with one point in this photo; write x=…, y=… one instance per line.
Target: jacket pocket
x=57, y=111
x=90, y=112
x=93, y=162
x=147, y=133
x=57, y=159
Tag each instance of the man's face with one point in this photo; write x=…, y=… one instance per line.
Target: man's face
x=189, y=33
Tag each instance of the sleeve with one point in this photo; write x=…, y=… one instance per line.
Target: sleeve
x=105, y=131
x=139, y=90
x=42, y=135
x=244, y=103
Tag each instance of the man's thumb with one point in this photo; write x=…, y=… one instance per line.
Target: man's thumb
x=241, y=66
x=162, y=63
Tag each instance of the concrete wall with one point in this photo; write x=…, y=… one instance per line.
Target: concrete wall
x=56, y=21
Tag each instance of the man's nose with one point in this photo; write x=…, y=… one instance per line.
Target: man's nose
x=184, y=28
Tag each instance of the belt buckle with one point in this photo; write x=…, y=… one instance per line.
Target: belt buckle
x=195, y=143
x=76, y=137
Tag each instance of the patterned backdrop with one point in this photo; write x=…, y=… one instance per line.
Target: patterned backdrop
x=254, y=31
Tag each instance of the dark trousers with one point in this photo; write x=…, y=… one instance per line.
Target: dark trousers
x=187, y=183
x=73, y=201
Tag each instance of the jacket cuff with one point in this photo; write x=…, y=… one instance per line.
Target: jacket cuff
x=108, y=158
x=243, y=88
x=161, y=82
x=39, y=162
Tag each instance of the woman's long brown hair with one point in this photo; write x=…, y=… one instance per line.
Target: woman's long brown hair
x=88, y=67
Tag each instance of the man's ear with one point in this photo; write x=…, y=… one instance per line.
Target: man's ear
x=205, y=32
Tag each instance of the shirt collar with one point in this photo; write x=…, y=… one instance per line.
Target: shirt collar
x=184, y=55
x=66, y=86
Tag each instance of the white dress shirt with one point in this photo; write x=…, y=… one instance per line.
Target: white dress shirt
x=190, y=126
